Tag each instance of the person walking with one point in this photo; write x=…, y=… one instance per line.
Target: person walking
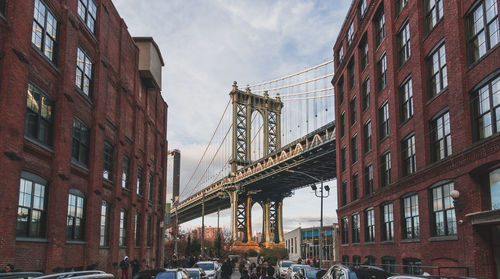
x=244, y=273
x=227, y=269
x=124, y=265
x=136, y=266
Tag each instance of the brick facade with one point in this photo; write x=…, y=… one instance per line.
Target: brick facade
x=467, y=167
x=123, y=108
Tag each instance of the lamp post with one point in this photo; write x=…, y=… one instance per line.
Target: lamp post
x=176, y=228
x=322, y=196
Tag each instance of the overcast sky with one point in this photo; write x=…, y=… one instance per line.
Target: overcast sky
x=208, y=44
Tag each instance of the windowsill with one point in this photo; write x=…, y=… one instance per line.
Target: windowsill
x=387, y=242
x=379, y=44
x=368, y=152
x=126, y=190
x=122, y=247
x=76, y=242
x=405, y=121
x=82, y=22
x=480, y=59
x=31, y=239
x=369, y=243
x=79, y=165
x=403, y=64
x=38, y=143
x=104, y=247
x=443, y=238
x=107, y=183
x=410, y=240
x=383, y=139
x=436, y=96
x=356, y=244
x=345, y=245
x=50, y=62
x=382, y=89
x=86, y=97
x=429, y=32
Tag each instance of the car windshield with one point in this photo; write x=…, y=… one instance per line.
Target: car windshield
x=205, y=266
x=368, y=273
x=165, y=275
x=311, y=273
x=194, y=274
x=286, y=264
x=297, y=267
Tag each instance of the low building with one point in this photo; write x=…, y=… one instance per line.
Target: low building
x=303, y=243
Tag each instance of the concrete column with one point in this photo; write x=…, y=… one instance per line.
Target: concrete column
x=266, y=226
x=248, y=218
x=233, y=197
x=279, y=221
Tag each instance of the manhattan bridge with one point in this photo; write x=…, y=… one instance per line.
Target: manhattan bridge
x=272, y=138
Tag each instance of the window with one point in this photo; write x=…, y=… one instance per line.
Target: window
x=87, y=11
x=344, y=193
x=350, y=33
x=409, y=157
x=340, y=88
x=369, y=225
x=342, y=124
x=356, y=260
x=83, y=72
x=345, y=230
x=443, y=211
x=149, y=235
x=122, y=240
x=367, y=134
x=362, y=8
x=32, y=206
x=353, y=110
x=486, y=110
x=43, y=35
x=389, y=264
x=363, y=49
x=354, y=149
x=385, y=168
x=2, y=7
x=366, y=94
x=125, y=168
x=433, y=13
x=406, y=100
x=81, y=140
x=355, y=187
x=483, y=32
x=350, y=69
x=140, y=187
x=379, y=27
x=411, y=225
x=387, y=222
x=39, y=109
x=412, y=266
x=340, y=54
x=369, y=179
x=404, y=50
x=342, y=158
x=104, y=227
x=151, y=186
x=107, y=172
x=355, y=228
x=382, y=73
x=494, y=179
x=437, y=69
x=75, y=225
x=137, y=229
x=440, y=137
x=383, y=113
x=400, y=5
x=345, y=260
x=370, y=260
x=160, y=190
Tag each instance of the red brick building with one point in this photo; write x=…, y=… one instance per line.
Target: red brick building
x=418, y=116
x=82, y=138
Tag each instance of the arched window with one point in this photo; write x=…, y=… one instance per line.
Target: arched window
x=76, y=215
x=32, y=206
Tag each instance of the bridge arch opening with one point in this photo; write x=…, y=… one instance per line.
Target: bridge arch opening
x=256, y=136
x=257, y=222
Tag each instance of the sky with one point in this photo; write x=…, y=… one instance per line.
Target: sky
x=208, y=44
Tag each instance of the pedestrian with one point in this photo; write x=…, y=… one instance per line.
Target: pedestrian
x=227, y=269
x=124, y=265
x=136, y=266
x=269, y=273
x=241, y=266
x=244, y=273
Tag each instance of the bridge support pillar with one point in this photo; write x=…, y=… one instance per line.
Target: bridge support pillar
x=266, y=228
x=233, y=198
x=279, y=235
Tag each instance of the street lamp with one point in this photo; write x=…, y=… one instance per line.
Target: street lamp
x=322, y=196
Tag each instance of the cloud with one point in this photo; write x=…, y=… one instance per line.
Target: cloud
x=207, y=45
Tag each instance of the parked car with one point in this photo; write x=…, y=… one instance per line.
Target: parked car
x=148, y=273
x=428, y=277
x=340, y=271
x=294, y=268
x=212, y=269
x=87, y=274
x=174, y=273
x=282, y=269
x=24, y=275
x=196, y=273
x=306, y=273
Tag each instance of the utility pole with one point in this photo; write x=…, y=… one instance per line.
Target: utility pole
x=203, y=225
